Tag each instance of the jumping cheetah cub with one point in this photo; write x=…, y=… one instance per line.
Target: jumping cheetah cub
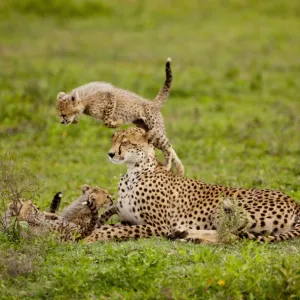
x=116, y=106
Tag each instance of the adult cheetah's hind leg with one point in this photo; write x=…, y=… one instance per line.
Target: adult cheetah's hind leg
x=106, y=233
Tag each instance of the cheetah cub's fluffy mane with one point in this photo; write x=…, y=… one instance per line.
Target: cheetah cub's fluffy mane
x=116, y=107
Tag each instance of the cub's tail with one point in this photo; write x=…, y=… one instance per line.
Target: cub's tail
x=163, y=94
x=55, y=202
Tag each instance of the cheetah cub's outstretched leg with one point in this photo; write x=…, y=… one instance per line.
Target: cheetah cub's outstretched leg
x=157, y=133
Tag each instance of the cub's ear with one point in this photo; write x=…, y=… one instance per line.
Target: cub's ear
x=75, y=96
x=60, y=95
x=85, y=188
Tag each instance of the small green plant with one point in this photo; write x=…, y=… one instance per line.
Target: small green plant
x=15, y=183
x=231, y=221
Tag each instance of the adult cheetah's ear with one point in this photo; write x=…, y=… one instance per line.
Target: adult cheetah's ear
x=85, y=188
x=60, y=95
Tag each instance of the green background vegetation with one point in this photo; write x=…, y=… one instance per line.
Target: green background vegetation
x=233, y=117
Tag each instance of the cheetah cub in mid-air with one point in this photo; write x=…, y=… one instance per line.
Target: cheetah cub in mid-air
x=116, y=106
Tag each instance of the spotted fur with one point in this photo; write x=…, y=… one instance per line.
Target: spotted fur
x=158, y=202
x=116, y=106
x=75, y=222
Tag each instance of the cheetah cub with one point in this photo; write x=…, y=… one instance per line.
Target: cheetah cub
x=116, y=106
x=78, y=213
x=77, y=221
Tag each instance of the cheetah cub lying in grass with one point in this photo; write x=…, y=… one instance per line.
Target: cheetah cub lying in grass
x=157, y=202
x=76, y=222
x=116, y=106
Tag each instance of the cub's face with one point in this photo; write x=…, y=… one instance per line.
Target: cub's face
x=100, y=196
x=23, y=210
x=68, y=108
x=129, y=146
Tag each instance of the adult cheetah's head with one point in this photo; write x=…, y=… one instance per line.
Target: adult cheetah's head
x=130, y=146
x=69, y=107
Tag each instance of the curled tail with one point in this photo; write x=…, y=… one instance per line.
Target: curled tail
x=55, y=202
x=163, y=94
x=94, y=217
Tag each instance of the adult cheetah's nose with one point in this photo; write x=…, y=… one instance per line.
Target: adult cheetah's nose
x=111, y=154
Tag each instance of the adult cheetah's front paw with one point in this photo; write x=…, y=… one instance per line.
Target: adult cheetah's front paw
x=177, y=234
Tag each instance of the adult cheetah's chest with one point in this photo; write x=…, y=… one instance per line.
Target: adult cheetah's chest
x=127, y=205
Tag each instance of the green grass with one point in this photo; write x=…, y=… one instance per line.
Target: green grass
x=233, y=117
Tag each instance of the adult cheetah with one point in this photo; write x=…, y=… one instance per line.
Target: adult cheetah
x=158, y=202
x=116, y=106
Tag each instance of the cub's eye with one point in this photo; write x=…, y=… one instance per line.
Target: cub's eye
x=63, y=115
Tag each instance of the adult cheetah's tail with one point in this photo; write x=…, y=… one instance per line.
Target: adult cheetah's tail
x=163, y=94
x=94, y=217
x=294, y=233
